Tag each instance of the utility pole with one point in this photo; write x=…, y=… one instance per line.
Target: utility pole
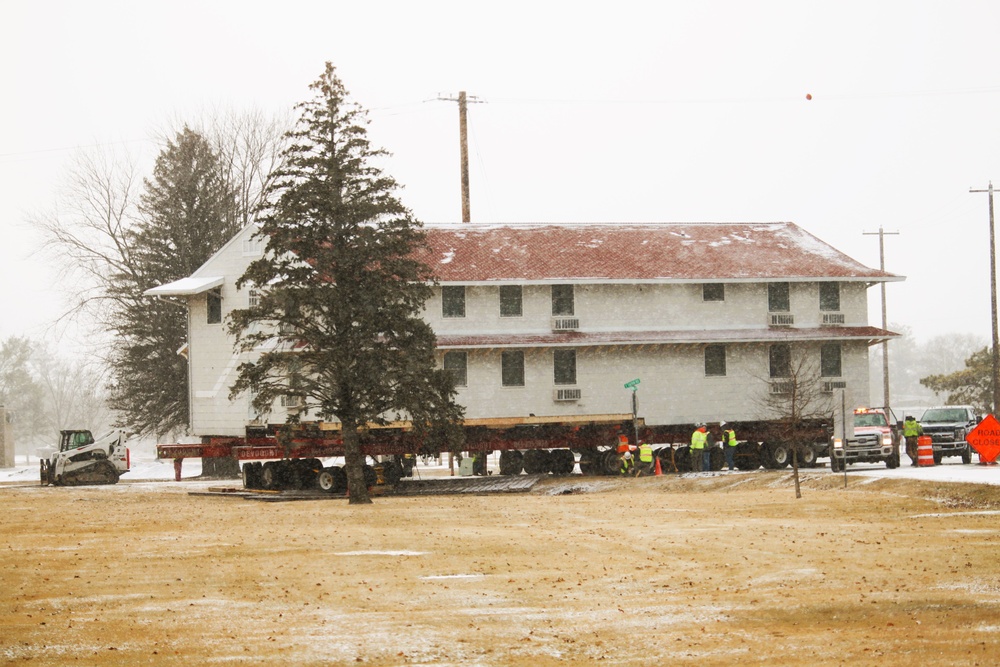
x=885, y=323
x=993, y=303
x=463, y=138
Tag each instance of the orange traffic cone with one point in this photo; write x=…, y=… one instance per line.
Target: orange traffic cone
x=658, y=471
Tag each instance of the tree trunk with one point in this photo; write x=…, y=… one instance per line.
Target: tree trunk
x=795, y=470
x=354, y=462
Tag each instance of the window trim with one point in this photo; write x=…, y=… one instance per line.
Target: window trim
x=571, y=368
x=827, y=285
x=772, y=298
x=520, y=300
x=461, y=375
x=705, y=287
x=771, y=350
x=561, y=299
x=213, y=307
x=714, y=347
x=506, y=370
x=823, y=360
x=453, y=290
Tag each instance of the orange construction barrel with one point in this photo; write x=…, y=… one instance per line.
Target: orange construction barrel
x=925, y=451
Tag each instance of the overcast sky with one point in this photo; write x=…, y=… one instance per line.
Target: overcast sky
x=626, y=111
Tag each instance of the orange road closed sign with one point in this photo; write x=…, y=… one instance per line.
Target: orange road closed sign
x=985, y=439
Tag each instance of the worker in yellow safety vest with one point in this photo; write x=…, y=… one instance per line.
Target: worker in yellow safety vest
x=911, y=431
x=698, y=440
x=645, y=459
x=627, y=462
x=729, y=446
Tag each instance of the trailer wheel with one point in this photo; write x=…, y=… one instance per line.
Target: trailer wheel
x=807, y=457
x=392, y=472
x=536, y=461
x=339, y=479
x=747, y=455
x=716, y=458
x=269, y=476
x=325, y=480
x=561, y=462
x=682, y=458
x=510, y=462
x=610, y=464
x=371, y=477
x=775, y=456
x=249, y=476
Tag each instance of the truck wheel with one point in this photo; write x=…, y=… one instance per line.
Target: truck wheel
x=249, y=478
x=269, y=476
x=835, y=464
x=747, y=456
x=892, y=461
x=561, y=462
x=610, y=463
x=781, y=455
x=967, y=454
x=937, y=458
x=510, y=462
x=807, y=457
x=682, y=458
x=325, y=480
x=536, y=462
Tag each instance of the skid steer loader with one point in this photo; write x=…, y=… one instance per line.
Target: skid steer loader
x=83, y=460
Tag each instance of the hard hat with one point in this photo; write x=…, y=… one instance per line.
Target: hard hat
x=627, y=455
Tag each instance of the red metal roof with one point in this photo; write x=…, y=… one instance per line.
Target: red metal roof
x=637, y=252
x=674, y=337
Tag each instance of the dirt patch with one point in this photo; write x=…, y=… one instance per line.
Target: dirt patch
x=700, y=570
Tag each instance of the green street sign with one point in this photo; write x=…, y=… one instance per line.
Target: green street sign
x=633, y=383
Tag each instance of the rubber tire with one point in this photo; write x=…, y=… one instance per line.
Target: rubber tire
x=536, y=462
x=326, y=481
x=249, y=476
x=807, y=457
x=611, y=464
x=938, y=456
x=835, y=465
x=892, y=461
x=511, y=462
x=561, y=462
x=392, y=472
x=682, y=457
x=747, y=456
x=967, y=454
x=269, y=478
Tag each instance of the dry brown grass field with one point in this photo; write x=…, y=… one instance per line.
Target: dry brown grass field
x=694, y=570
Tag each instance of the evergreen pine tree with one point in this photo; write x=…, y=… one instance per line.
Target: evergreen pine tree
x=338, y=318
x=187, y=213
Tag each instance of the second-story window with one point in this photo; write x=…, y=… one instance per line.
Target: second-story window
x=780, y=361
x=453, y=301
x=214, y=307
x=829, y=296
x=564, y=366
x=512, y=368
x=510, y=301
x=562, y=300
x=777, y=298
x=715, y=360
x=829, y=360
x=457, y=363
x=713, y=292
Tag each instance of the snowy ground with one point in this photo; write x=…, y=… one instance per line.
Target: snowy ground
x=145, y=467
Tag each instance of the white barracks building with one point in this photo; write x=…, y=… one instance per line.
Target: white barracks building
x=554, y=320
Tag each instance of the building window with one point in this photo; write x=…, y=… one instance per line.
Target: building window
x=715, y=360
x=562, y=300
x=777, y=297
x=512, y=368
x=829, y=360
x=214, y=307
x=453, y=301
x=253, y=297
x=510, y=301
x=829, y=296
x=713, y=292
x=780, y=361
x=564, y=366
x=457, y=363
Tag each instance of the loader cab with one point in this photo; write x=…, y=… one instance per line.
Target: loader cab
x=75, y=440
